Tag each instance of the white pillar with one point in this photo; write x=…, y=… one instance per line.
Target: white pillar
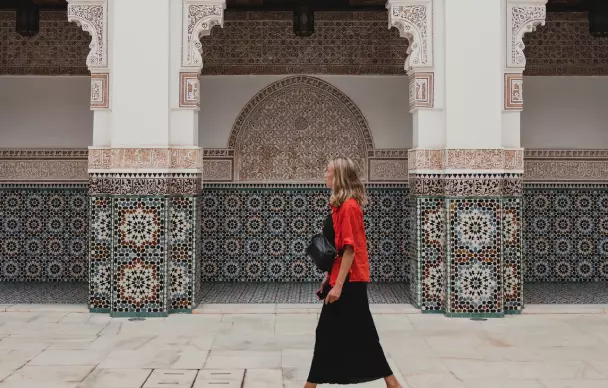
x=473, y=68
x=140, y=73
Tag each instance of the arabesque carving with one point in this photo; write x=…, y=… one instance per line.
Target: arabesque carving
x=199, y=18
x=523, y=16
x=92, y=17
x=414, y=20
x=289, y=130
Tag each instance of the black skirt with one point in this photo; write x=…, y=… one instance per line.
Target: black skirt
x=347, y=348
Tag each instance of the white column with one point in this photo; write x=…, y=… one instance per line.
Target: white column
x=140, y=73
x=473, y=68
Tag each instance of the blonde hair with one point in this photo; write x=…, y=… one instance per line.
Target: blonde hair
x=347, y=183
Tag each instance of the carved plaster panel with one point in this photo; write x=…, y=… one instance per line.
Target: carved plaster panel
x=100, y=91
x=466, y=160
x=43, y=165
x=199, y=18
x=189, y=90
x=388, y=170
x=145, y=183
x=414, y=20
x=289, y=130
x=514, y=99
x=144, y=159
x=572, y=165
x=218, y=170
x=92, y=17
x=422, y=90
x=523, y=16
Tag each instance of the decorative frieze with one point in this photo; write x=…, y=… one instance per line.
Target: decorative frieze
x=566, y=165
x=140, y=159
x=70, y=165
x=135, y=184
x=466, y=160
x=466, y=185
x=43, y=165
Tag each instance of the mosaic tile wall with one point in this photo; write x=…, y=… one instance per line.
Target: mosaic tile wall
x=258, y=234
x=473, y=256
x=43, y=234
x=565, y=234
x=264, y=43
x=140, y=255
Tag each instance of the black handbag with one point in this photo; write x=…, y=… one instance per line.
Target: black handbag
x=321, y=249
x=322, y=252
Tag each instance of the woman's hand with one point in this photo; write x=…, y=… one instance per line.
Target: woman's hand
x=334, y=294
x=324, y=284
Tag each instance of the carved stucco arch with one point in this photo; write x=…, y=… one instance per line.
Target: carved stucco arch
x=200, y=16
x=289, y=130
x=414, y=20
x=523, y=16
x=92, y=17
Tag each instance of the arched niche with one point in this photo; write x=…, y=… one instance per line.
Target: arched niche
x=289, y=130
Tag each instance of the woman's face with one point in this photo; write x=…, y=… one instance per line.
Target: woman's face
x=329, y=176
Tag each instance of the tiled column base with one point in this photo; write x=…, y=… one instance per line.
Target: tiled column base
x=143, y=243
x=467, y=251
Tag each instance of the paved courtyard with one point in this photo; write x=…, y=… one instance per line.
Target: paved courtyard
x=270, y=346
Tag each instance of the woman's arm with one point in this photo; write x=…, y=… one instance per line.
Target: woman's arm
x=347, y=261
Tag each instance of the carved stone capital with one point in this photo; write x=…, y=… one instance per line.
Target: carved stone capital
x=198, y=19
x=414, y=20
x=92, y=17
x=523, y=16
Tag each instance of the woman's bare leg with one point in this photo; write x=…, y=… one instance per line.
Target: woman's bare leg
x=310, y=385
x=391, y=382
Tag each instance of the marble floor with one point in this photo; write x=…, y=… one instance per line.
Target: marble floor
x=256, y=346
x=264, y=293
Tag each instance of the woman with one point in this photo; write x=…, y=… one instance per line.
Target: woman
x=347, y=349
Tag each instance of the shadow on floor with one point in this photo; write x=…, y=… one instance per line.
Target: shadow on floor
x=296, y=293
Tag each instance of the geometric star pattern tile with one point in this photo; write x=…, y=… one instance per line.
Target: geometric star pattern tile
x=430, y=250
x=140, y=256
x=43, y=234
x=182, y=266
x=512, y=254
x=565, y=235
x=100, y=254
x=474, y=257
x=261, y=235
